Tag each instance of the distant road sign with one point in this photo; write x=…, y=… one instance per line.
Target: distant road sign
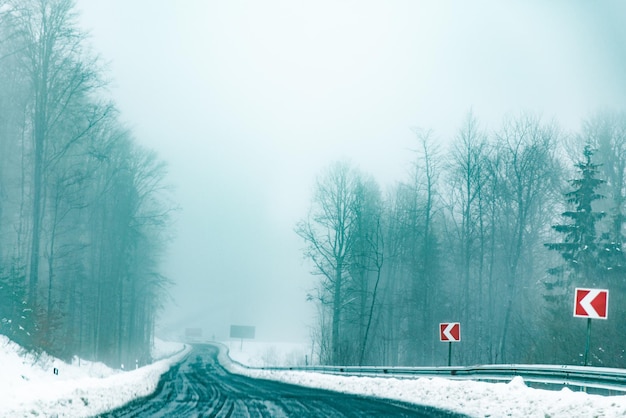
x=193, y=333
x=450, y=331
x=591, y=303
x=241, y=331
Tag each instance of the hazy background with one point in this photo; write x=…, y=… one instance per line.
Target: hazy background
x=248, y=101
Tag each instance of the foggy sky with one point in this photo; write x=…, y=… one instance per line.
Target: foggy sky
x=248, y=101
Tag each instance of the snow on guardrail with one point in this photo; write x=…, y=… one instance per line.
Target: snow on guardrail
x=599, y=378
x=578, y=376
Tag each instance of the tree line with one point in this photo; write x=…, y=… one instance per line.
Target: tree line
x=495, y=232
x=83, y=207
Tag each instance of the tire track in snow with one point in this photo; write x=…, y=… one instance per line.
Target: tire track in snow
x=200, y=387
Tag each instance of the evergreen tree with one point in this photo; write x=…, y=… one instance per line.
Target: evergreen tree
x=580, y=251
x=580, y=246
x=17, y=318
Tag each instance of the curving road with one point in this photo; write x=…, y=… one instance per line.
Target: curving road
x=200, y=387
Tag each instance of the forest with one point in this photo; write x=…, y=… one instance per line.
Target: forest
x=494, y=231
x=493, y=227
x=84, y=209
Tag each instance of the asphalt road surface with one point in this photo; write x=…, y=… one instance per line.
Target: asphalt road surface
x=200, y=387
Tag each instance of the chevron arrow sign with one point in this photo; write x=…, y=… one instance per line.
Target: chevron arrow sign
x=591, y=303
x=450, y=331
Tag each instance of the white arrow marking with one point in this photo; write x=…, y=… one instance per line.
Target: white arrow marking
x=586, y=303
x=447, y=330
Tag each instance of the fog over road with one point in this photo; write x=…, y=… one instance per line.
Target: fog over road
x=200, y=387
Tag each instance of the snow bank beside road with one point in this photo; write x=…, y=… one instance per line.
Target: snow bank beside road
x=165, y=349
x=267, y=354
x=478, y=399
x=30, y=388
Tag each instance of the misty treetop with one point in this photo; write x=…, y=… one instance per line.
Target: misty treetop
x=83, y=208
x=493, y=232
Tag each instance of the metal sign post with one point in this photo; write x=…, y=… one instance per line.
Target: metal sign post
x=241, y=332
x=590, y=303
x=588, y=340
x=451, y=332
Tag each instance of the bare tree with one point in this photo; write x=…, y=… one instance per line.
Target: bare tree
x=59, y=75
x=366, y=259
x=414, y=253
x=468, y=177
x=428, y=164
x=527, y=183
x=328, y=233
x=77, y=193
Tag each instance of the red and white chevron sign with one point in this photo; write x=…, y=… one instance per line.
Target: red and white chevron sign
x=591, y=303
x=450, y=331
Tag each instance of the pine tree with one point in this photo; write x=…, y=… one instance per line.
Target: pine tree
x=582, y=266
x=580, y=247
x=17, y=318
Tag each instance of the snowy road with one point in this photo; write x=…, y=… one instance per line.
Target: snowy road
x=199, y=386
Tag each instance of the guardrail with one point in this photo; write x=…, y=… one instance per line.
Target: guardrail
x=600, y=379
x=584, y=377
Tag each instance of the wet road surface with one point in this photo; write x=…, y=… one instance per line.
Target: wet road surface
x=200, y=387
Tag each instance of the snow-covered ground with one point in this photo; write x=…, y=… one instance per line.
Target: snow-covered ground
x=29, y=387
x=267, y=354
x=478, y=399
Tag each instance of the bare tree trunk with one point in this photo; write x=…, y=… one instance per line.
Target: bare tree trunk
x=39, y=139
x=337, y=302
x=369, y=317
